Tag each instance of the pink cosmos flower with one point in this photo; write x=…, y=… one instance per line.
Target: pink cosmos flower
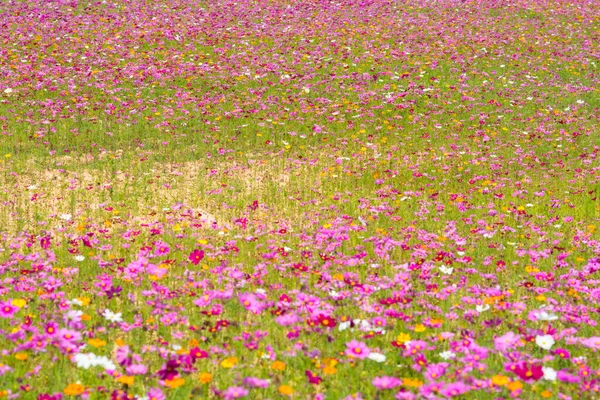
x=506, y=341
x=386, y=382
x=357, y=349
x=234, y=392
x=7, y=310
x=454, y=389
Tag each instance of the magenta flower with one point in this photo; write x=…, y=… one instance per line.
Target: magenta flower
x=234, y=392
x=454, y=389
x=256, y=382
x=506, y=341
x=312, y=378
x=196, y=256
x=356, y=349
x=7, y=310
x=386, y=382
x=156, y=394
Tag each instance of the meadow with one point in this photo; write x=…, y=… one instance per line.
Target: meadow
x=286, y=199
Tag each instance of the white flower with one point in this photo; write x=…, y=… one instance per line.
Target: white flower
x=31, y=187
x=545, y=316
x=446, y=270
x=528, y=205
x=75, y=302
x=333, y=293
x=482, y=308
x=446, y=355
x=176, y=347
x=8, y=90
x=378, y=357
x=79, y=258
x=261, y=291
x=66, y=217
x=545, y=341
x=83, y=360
x=105, y=363
x=580, y=101
x=74, y=315
x=343, y=326
x=549, y=373
x=111, y=316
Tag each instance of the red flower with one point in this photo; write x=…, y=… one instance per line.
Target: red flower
x=326, y=321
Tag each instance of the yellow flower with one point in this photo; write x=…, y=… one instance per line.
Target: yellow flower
x=205, y=377
x=126, y=380
x=19, y=303
x=174, y=383
x=97, y=342
x=3, y=394
x=229, y=362
x=84, y=300
x=420, y=328
x=500, y=380
x=21, y=356
x=120, y=342
x=546, y=393
x=403, y=338
x=74, y=389
x=85, y=317
x=278, y=365
x=286, y=390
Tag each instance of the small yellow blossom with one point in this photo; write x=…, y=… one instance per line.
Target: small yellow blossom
x=229, y=362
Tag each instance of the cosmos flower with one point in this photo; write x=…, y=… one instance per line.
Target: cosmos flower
x=356, y=349
x=111, y=316
x=386, y=382
x=545, y=341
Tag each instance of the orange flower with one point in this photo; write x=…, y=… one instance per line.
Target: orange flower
x=411, y=382
x=74, y=389
x=21, y=356
x=500, y=380
x=125, y=379
x=205, y=377
x=174, y=383
x=96, y=342
x=278, y=365
x=286, y=390
x=514, y=386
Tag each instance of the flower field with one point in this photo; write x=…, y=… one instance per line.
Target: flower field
x=285, y=199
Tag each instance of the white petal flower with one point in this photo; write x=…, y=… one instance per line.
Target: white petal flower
x=545, y=316
x=79, y=258
x=343, y=326
x=111, y=316
x=549, y=373
x=482, y=308
x=66, y=217
x=545, y=341
x=378, y=357
x=446, y=270
x=446, y=355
